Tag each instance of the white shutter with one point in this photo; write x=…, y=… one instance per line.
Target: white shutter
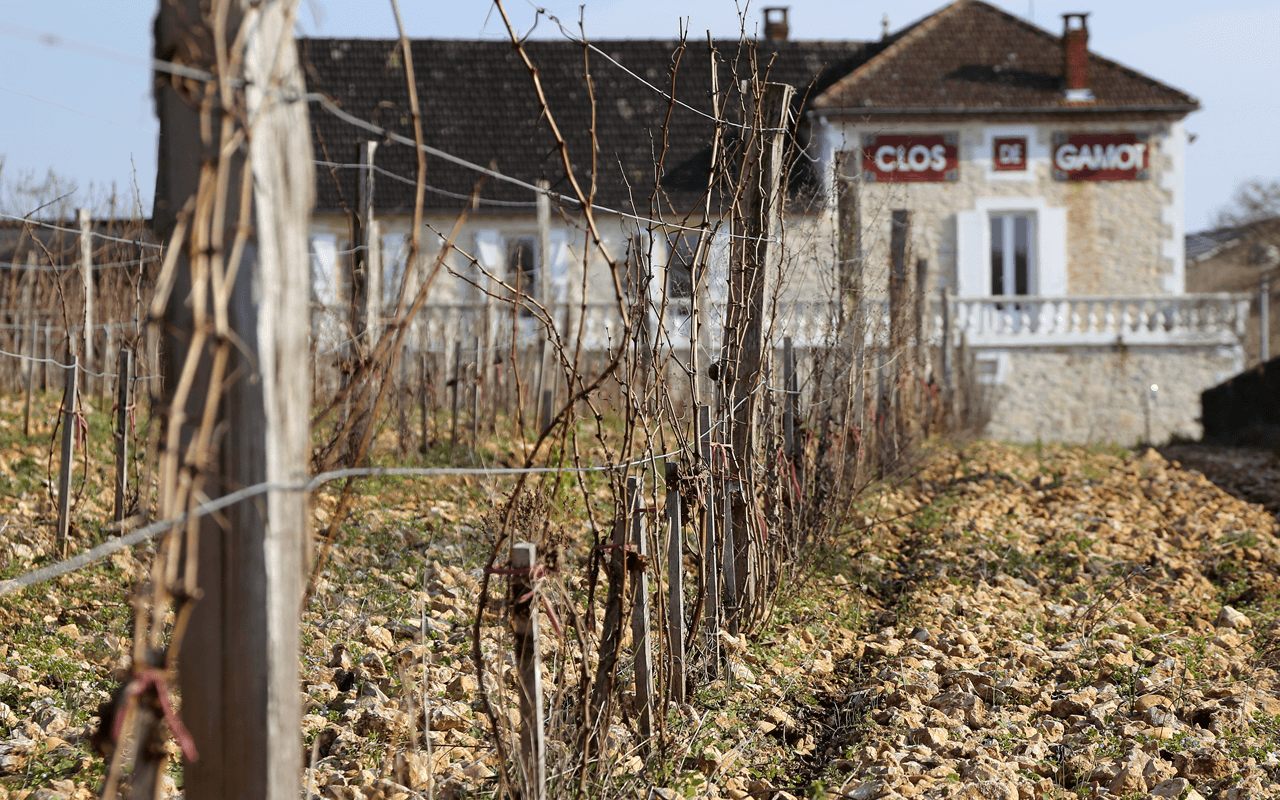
x=324, y=269
x=1052, y=269
x=559, y=265
x=973, y=259
x=489, y=254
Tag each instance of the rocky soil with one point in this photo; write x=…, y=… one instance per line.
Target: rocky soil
x=1005, y=622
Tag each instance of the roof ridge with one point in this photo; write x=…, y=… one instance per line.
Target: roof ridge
x=901, y=39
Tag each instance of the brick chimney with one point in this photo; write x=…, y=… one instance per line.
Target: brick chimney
x=1075, y=58
x=775, y=23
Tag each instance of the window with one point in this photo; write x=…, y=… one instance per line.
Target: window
x=988, y=262
x=684, y=247
x=1012, y=269
x=522, y=269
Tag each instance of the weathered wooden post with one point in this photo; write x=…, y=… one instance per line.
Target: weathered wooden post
x=789, y=401
x=524, y=627
x=457, y=387
x=710, y=571
x=641, y=639
x=28, y=305
x=69, y=422
x=86, y=278
x=48, y=356
x=239, y=659
x=124, y=384
x=729, y=564
x=753, y=279
x=476, y=387
x=675, y=585
x=548, y=401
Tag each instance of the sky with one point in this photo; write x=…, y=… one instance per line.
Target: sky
x=75, y=91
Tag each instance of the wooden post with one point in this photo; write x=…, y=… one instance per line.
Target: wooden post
x=476, y=387
x=730, y=561
x=123, y=385
x=31, y=375
x=48, y=356
x=675, y=585
x=373, y=276
x=69, y=423
x=524, y=626
x=239, y=660
x=363, y=301
x=422, y=394
x=641, y=638
x=548, y=400
x=710, y=571
x=789, y=405
x=1264, y=302
x=541, y=292
x=753, y=279
x=28, y=306
x=86, y=277
x=457, y=386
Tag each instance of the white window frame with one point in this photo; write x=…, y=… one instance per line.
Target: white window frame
x=973, y=245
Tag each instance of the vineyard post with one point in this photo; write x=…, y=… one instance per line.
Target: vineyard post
x=239, y=665
x=123, y=385
x=753, y=278
x=457, y=386
x=524, y=625
x=28, y=306
x=710, y=573
x=48, y=356
x=477, y=378
x=66, y=462
x=547, y=400
x=789, y=405
x=86, y=278
x=730, y=563
x=641, y=638
x=542, y=293
x=675, y=585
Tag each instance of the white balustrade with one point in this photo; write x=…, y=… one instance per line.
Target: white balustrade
x=1136, y=320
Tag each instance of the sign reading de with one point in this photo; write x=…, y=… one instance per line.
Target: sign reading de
x=903, y=158
x=1100, y=156
x=1009, y=154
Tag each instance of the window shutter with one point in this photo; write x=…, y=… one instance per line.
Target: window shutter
x=559, y=265
x=973, y=262
x=1052, y=269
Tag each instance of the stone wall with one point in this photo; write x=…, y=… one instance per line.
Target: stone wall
x=1101, y=394
x=1121, y=237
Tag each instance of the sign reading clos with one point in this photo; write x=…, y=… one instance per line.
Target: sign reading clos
x=911, y=158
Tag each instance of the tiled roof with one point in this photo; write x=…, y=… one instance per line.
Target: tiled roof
x=971, y=56
x=478, y=103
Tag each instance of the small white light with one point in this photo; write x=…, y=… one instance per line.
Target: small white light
x=1155, y=388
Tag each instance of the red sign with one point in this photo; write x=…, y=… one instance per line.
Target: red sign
x=1100, y=157
x=1009, y=154
x=902, y=158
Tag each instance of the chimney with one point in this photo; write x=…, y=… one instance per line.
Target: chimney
x=775, y=23
x=1075, y=58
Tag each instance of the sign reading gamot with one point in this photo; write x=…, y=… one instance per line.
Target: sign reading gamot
x=1100, y=157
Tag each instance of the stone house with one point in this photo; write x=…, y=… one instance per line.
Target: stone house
x=1032, y=186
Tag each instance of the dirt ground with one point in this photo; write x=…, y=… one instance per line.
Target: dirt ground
x=1000, y=622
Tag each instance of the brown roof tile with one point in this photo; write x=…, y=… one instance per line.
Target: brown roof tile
x=973, y=57
x=478, y=103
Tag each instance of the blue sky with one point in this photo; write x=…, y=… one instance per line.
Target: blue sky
x=87, y=114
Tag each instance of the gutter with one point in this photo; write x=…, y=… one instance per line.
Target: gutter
x=863, y=111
